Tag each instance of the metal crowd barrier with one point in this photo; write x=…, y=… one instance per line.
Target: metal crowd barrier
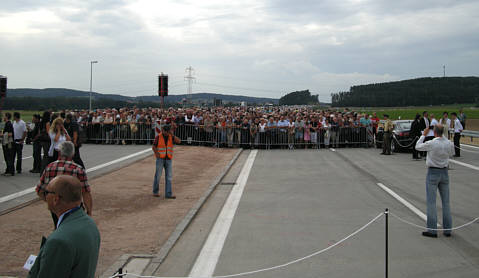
x=470, y=133
x=274, y=137
x=139, y=133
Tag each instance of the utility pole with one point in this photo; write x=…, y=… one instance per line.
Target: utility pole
x=91, y=80
x=189, y=77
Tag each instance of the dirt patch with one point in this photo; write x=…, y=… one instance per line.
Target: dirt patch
x=130, y=219
x=471, y=124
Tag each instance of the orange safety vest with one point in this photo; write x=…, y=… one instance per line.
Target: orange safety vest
x=163, y=149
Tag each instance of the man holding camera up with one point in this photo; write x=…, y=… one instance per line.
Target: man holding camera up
x=163, y=150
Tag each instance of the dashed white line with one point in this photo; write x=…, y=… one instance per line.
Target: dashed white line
x=208, y=258
x=464, y=164
x=403, y=201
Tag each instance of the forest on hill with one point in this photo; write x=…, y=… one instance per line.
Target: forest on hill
x=413, y=92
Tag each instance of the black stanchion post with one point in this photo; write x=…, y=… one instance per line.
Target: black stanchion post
x=386, y=212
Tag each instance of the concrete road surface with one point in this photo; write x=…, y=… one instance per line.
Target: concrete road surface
x=98, y=159
x=297, y=202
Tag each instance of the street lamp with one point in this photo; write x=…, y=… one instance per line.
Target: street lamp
x=91, y=77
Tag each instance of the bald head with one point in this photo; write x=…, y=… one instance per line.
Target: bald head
x=68, y=187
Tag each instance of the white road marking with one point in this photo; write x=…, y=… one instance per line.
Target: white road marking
x=23, y=158
x=117, y=160
x=403, y=201
x=470, y=146
x=464, y=164
x=17, y=194
x=208, y=258
x=32, y=189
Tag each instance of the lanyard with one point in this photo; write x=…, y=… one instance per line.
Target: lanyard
x=66, y=214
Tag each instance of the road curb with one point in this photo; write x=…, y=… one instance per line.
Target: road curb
x=158, y=258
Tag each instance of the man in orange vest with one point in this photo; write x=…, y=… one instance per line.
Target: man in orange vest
x=163, y=150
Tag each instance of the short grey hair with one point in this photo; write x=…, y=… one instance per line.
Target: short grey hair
x=67, y=149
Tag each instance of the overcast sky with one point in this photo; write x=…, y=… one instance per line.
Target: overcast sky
x=250, y=47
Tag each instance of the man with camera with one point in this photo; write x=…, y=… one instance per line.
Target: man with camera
x=163, y=150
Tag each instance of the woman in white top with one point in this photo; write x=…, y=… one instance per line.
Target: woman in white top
x=326, y=127
x=57, y=135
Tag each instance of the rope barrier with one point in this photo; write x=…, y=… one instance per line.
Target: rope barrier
x=404, y=146
x=413, y=142
x=277, y=266
x=312, y=254
x=467, y=151
x=426, y=228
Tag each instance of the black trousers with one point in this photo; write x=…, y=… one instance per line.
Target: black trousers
x=415, y=153
x=37, y=156
x=46, y=158
x=18, y=154
x=387, y=143
x=9, y=156
x=77, y=159
x=457, y=144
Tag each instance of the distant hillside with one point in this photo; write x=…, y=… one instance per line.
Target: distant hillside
x=413, y=92
x=196, y=98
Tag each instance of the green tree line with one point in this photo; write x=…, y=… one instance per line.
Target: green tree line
x=75, y=103
x=299, y=98
x=414, y=92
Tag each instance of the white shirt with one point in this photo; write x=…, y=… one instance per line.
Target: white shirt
x=426, y=120
x=261, y=127
x=457, y=126
x=19, y=129
x=54, y=145
x=433, y=122
x=438, y=151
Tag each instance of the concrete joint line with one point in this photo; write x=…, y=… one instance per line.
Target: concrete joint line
x=207, y=260
x=159, y=257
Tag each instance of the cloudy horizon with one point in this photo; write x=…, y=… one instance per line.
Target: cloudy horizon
x=256, y=48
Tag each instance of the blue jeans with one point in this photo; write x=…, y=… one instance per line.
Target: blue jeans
x=160, y=164
x=438, y=179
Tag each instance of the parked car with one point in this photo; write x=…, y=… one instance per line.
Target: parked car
x=400, y=140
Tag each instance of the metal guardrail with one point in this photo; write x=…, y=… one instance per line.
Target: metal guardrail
x=470, y=133
x=230, y=136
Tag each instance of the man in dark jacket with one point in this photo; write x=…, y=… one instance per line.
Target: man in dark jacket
x=423, y=124
x=415, y=134
x=37, y=145
x=73, y=130
x=8, y=145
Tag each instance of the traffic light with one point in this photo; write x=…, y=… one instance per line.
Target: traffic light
x=3, y=86
x=163, y=85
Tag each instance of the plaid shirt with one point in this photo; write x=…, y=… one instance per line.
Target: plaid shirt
x=63, y=167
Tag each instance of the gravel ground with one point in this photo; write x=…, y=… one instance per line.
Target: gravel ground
x=130, y=219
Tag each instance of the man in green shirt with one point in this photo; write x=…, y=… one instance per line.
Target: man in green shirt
x=72, y=249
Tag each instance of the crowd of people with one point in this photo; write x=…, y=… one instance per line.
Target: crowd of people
x=247, y=127
x=254, y=127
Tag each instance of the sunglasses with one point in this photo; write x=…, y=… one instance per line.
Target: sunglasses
x=46, y=192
